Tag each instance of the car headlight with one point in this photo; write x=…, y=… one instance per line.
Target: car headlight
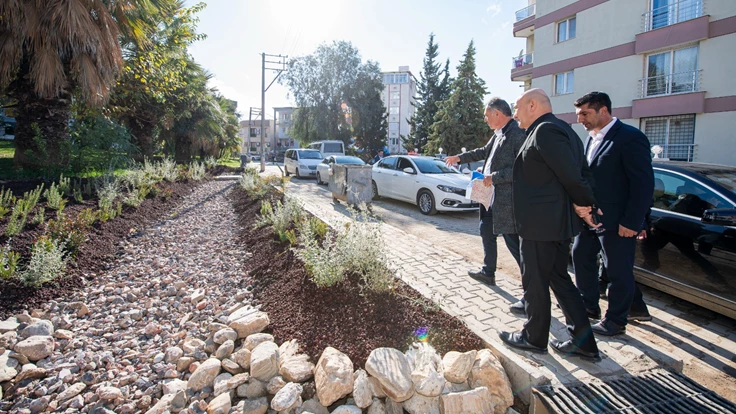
x=302, y=165
x=451, y=189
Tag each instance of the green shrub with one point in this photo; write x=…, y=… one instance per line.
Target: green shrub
x=135, y=197
x=77, y=192
x=87, y=217
x=71, y=232
x=197, y=171
x=47, y=262
x=40, y=217
x=7, y=201
x=282, y=216
x=318, y=227
x=210, y=162
x=99, y=143
x=288, y=236
x=108, y=190
x=325, y=268
x=8, y=262
x=65, y=185
x=20, y=212
x=252, y=183
x=55, y=197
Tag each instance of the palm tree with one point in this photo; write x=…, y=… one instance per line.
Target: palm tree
x=54, y=50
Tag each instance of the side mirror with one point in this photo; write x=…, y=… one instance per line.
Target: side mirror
x=409, y=170
x=466, y=171
x=720, y=216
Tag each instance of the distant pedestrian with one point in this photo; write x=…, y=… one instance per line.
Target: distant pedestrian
x=499, y=154
x=378, y=157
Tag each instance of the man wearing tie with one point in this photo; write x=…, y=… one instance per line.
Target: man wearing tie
x=619, y=158
x=499, y=154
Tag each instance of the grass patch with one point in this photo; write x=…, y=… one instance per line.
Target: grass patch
x=7, y=151
x=229, y=162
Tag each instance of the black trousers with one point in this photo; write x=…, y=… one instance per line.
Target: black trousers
x=544, y=266
x=618, y=259
x=490, y=244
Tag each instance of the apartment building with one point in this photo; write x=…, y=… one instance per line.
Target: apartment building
x=251, y=136
x=398, y=96
x=665, y=64
x=282, y=122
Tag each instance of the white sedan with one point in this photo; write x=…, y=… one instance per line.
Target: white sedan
x=424, y=181
x=324, y=168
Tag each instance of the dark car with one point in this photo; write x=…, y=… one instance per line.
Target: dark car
x=691, y=250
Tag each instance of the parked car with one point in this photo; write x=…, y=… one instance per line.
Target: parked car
x=328, y=147
x=424, y=181
x=691, y=251
x=302, y=162
x=324, y=168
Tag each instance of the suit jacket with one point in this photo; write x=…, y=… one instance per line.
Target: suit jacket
x=624, y=180
x=502, y=165
x=550, y=174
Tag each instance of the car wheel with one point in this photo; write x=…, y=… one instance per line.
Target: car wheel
x=296, y=174
x=319, y=179
x=286, y=170
x=375, y=190
x=425, y=201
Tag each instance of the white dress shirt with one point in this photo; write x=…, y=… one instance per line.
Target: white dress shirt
x=596, y=139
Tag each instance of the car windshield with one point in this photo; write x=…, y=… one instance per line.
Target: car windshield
x=310, y=155
x=349, y=160
x=725, y=178
x=433, y=166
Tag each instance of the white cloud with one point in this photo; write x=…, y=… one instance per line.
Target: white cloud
x=494, y=9
x=232, y=93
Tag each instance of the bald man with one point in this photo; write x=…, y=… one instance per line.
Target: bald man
x=550, y=175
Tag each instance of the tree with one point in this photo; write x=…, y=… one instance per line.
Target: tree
x=429, y=93
x=459, y=120
x=367, y=112
x=49, y=49
x=324, y=86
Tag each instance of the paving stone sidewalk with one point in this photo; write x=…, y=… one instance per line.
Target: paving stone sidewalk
x=441, y=275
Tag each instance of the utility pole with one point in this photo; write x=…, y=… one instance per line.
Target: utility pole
x=279, y=65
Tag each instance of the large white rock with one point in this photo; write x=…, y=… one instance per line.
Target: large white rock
x=254, y=389
x=347, y=409
x=456, y=366
x=41, y=327
x=173, y=386
x=254, y=406
x=250, y=324
x=392, y=370
x=312, y=406
x=288, y=350
x=488, y=372
x=427, y=369
x=393, y=407
x=264, y=361
x=220, y=405
x=297, y=368
x=376, y=388
x=242, y=358
x=362, y=393
x=221, y=385
x=377, y=407
x=71, y=392
x=225, y=334
x=109, y=393
x=333, y=376
x=474, y=401
x=287, y=398
x=241, y=313
x=8, y=367
x=252, y=341
x=204, y=375
x=163, y=405
x=36, y=347
x=8, y=325
x=419, y=404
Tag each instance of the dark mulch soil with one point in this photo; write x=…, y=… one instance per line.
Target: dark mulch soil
x=338, y=316
x=96, y=254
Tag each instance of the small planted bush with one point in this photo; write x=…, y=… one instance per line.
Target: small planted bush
x=282, y=216
x=47, y=263
x=55, y=197
x=20, y=212
x=71, y=232
x=197, y=171
x=8, y=262
x=107, y=192
x=7, y=201
x=210, y=162
x=253, y=184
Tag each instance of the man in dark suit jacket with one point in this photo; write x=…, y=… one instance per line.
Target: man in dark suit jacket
x=619, y=158
x=549, y=176
x=499, y=154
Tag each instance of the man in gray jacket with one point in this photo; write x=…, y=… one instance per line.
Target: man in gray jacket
x=499, y=155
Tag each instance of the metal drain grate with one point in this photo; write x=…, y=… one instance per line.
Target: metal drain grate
x=658, y=392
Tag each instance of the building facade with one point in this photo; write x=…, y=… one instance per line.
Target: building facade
x=282, y=122
x=665, y=64
x=251, y=136
x=398, y=97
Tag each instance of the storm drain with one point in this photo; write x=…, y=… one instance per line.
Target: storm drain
x=652, y=392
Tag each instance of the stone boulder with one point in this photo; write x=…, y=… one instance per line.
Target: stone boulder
x=488, y=372
x=427, y=369
x=456, y=366
x=287, y=398
x=8, y=367
x=362, y=393
x=35, y=348
x=392, y=370
x=249, y=324
x=474, y=401
x=419, y=404
x=333, y=376
x=298, y=368
x=204, y=375
x=41, y=327
x=264, y=361
x=220, y=405
x=347, y=409
x=253, y=406
x=252, y=341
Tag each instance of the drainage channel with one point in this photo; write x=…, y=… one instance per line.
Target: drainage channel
x=657, y=392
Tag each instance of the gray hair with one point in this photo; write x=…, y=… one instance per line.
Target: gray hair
x=498, y=104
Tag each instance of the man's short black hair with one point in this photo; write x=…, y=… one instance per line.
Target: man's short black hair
x=595, y=100
x=499, y=105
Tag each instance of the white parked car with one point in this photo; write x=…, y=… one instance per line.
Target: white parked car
x=424, y=181
x=324, y=168
x=302, y=162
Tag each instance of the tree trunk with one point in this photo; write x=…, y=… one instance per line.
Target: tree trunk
x=142, y=131
x=42, y=127
x=183, y=150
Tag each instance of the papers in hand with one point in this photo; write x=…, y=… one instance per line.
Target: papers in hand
x=477, y=191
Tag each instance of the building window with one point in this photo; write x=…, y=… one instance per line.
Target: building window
x=395, y=95
x=564, y=83
x=389, y=78
x=394, y=110
x=673, y=71
x=667, y=12
x=566, y=29
x=675, y=134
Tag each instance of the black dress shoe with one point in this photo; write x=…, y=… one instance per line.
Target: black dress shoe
x=568, y=348
x=593, y=314
x=482, y=277
x=518, y=308
x=639, y=316
x=608, y=328
x=516, y=340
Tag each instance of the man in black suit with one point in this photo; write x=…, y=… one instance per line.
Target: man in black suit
x=549, y=176
x=619, y=158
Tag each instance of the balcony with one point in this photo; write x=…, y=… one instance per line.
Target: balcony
x=524, y=24
x=677, y=152
x=670, y=14
x=521, y=67
x=670, y=84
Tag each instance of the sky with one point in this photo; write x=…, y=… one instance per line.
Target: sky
x=392, y=33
